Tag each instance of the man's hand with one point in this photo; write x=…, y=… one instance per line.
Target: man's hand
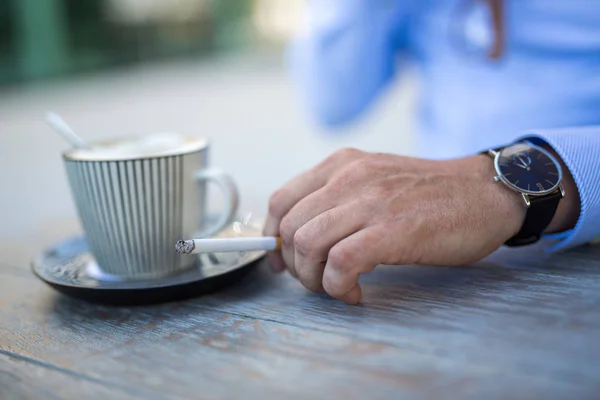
x=356, y=210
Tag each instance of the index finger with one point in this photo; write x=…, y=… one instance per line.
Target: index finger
x=284, y=199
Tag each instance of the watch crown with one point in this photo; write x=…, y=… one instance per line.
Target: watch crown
x=497, y=178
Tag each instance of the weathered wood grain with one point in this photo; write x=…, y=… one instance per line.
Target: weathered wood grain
x=23, y=380
x=181, y=351
x=519, y=325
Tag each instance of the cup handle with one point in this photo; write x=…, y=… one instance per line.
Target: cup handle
x=230, y=194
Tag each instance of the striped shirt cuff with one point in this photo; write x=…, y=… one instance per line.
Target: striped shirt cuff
x=579, y=149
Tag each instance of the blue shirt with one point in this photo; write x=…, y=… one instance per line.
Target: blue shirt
x=545, y=88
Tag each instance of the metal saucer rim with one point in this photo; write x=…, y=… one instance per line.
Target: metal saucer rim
x=182, y=286
x=193, y=275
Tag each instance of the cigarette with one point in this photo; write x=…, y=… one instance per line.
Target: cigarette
x=226, y=245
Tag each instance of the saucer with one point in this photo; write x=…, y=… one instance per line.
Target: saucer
x=71, y=269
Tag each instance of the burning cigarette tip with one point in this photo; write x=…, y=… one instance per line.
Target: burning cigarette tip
x=184, y=246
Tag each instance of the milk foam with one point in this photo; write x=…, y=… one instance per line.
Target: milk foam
x=149, y=145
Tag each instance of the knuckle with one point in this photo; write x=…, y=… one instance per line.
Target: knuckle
x=303, y=243
x=341, y=258
x=346, y=153
x=346, y=176
x=333, y=286
x=276, y=202
x=342, y=156
x=360, y=168
x=287, y=231
x=324, y=222
x=363, y=165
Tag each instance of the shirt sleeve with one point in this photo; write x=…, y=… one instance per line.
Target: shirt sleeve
x=345, y=55
x=579, y=149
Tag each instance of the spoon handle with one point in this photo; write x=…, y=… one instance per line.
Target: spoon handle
x=64, y=130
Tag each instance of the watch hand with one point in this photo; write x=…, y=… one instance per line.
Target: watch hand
x=521, y=165
x=523, y=161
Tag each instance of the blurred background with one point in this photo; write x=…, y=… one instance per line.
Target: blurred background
x=213, y=68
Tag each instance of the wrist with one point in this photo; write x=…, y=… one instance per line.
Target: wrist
x=507, y=206
x=566, y=213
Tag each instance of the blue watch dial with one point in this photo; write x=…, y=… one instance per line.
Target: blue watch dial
x=529, y=169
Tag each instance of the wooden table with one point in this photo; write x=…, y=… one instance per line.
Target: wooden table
x=520, y=325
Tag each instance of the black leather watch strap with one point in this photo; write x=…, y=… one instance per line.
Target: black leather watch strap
x=539, y=215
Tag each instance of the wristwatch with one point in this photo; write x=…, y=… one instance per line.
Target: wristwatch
x=534, y=173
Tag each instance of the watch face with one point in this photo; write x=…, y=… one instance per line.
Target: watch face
x=528, y=169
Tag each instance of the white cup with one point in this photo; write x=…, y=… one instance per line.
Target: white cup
x=137, y=196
